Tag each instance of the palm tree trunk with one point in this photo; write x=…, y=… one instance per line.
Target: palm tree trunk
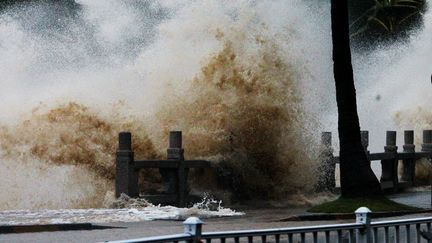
x=357, y=178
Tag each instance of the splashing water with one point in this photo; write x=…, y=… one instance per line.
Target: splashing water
x=244, y=80
x=133, y=211
x=247, y=117
x=250, y=84
x=53, y=145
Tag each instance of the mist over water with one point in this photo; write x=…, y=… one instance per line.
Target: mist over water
x=250, y=84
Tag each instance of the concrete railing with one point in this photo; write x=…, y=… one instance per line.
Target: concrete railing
x=174, y=171
x=390, y=159
x=363, y=230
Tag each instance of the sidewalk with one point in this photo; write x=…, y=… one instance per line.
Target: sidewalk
x=254, y=219
x=420, y=199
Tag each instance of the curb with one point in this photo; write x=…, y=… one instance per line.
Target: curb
x=341, y=216
x=16, y=229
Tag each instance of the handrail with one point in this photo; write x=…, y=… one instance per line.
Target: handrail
x=390, y=159
x=140, y=164
x=361, y=231
x=274, y=231
x=165, y=238
x=173, y=170
x=392, y=155
x=401, y=222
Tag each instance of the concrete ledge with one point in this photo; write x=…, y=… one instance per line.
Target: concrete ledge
x=16, y=229
x=341, y=216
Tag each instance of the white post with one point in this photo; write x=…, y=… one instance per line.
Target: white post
x=363, y=216
x=193, y=227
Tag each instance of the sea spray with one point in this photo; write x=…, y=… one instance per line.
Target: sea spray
x=243, y=79
x=73, y=134
x=52, y=144
x=243, y=110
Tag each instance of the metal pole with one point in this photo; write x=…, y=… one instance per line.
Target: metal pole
x=363, y=216
x=430, y=178
x=427, y=147
x=193, y=227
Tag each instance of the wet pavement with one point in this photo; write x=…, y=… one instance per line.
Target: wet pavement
x=253, y=219
x=420, y=199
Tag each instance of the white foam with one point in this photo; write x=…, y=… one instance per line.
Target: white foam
x=61, y=216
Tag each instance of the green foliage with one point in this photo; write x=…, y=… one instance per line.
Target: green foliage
x=388, y=19
x=349, y=205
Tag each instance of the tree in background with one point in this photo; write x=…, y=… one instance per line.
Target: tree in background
x=356, y=175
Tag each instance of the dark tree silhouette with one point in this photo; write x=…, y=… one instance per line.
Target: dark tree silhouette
x=357, y=178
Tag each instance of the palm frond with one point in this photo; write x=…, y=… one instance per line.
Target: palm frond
x=382, y=24
x=409, y=16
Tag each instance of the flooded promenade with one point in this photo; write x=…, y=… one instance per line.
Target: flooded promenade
x=253, y=218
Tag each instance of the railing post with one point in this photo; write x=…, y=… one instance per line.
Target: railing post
x=126, y=180
x=389, y=175
x=326, y=180
x=365, y=140
x=363, y=216
x=176, y=152
x=408, y=165
x=193, y=227
x=427, y=141
x=169, y=176
x=175, y=180
x=426, y=145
